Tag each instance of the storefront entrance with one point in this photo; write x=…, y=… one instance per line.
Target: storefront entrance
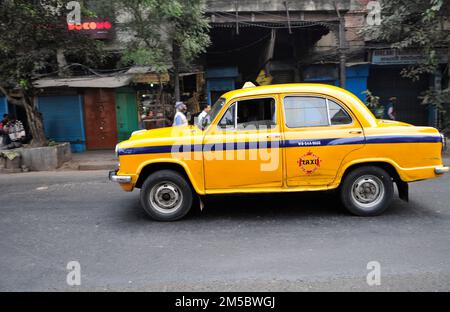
x=126, y=112
x=386, y=82
x=100, y=118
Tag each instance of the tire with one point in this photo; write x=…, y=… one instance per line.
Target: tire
x=367, y=191
x=166, y=196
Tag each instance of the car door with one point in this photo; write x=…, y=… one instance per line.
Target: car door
x=243, y=149
x=319, y=132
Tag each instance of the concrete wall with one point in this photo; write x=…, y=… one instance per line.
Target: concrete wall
x=45, y=158
x=275, y=5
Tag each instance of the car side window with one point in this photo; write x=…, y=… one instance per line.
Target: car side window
x=256, y=114
x=310, y=111
x=305, y=111
x=228, y=120
x=338, y=116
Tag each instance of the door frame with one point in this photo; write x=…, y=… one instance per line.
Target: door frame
x=285, y=129
x=94, y=93
x=214, y=129
x=125, y=92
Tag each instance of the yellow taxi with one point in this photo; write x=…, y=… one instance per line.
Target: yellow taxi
x=279, y=138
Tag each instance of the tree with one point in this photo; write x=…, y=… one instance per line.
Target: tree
x=418, y=24
x=32, y=39
x=162, y=28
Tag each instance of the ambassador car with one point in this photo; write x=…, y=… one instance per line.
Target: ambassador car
x=279, y=138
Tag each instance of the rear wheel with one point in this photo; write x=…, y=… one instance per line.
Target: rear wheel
x=367, y=191
x=166, y=196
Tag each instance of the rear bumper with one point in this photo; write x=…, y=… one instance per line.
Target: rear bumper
x=441, y=170
x=122, y=179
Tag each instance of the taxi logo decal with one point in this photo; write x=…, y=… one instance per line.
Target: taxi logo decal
x=309, y=163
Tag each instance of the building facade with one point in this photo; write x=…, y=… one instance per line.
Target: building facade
x=263, y=41
x=313, y=41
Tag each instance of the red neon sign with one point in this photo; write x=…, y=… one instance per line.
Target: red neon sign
x=90, y=26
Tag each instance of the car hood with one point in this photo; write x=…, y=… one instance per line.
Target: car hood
x=163, y=136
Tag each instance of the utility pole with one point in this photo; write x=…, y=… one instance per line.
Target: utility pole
x=342, y=48
x=236, y=7
x=176, y=69
x=286, y=5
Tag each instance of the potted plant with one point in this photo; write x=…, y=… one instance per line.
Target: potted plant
x=373, y=103
x=12, y=160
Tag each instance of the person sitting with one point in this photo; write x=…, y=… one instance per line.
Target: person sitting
x=4, y=137
x=15, y=131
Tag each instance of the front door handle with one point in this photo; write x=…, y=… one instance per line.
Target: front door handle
x=273, y=136
x=355, y=132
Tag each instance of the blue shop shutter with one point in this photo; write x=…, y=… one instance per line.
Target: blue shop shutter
x=3, y=106
x=357, y=85
x=357, y=80
x=222, y=72
x=220, y=79
x=63, y=120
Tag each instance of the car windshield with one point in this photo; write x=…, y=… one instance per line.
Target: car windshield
x=215, y=109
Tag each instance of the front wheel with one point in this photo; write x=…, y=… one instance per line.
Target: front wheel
x=367, y=191
x=166, y=196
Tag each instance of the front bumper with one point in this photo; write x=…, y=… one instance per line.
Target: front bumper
x=441, y=170
x=122, y=179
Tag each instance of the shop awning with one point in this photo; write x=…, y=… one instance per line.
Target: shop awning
x=136, y=74
x=86, y=82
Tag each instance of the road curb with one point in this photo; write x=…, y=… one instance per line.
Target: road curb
x=97, y=167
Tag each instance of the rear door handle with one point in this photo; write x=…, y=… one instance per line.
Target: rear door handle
x=273, y=136
x=355, y=132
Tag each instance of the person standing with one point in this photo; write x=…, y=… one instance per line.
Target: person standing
x=389, y=109
x=180, y=117
x=203, y=115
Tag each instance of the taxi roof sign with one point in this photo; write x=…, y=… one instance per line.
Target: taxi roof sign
x=248, y=84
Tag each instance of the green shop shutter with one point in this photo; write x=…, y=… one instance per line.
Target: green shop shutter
x=127, y=115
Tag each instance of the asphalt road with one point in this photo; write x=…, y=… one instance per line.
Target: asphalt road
x=303, y=242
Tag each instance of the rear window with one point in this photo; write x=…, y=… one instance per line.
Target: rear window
x=302, y=111
x=310, y=111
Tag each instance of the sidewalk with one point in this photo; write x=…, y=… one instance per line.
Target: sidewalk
x=446, y=154
x=92, y=160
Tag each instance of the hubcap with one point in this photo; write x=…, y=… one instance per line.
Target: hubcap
x=367, y=191
x=166, y=197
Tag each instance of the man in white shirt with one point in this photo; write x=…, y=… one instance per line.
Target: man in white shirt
x=203, y=114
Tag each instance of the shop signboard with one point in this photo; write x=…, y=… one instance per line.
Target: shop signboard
x=403, y=57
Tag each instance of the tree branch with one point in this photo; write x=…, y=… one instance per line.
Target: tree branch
x=10, y=98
